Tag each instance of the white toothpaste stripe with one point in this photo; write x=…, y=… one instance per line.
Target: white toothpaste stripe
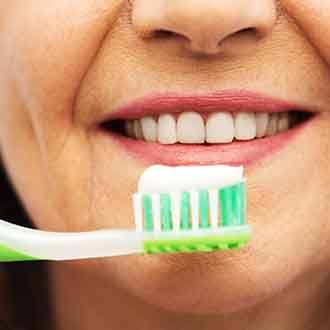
x=194, y=204
x=156, y=212
x=214, y=208
x=138, y=212
x=166, y=179
x=176, y=205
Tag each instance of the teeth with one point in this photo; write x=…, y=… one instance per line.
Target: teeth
x=190, y=128
x=167, y=129
x=272, y=124
x=149, y=129
x=138, y=129
x=283, y=122
x=245, y=126
x=220, y=128
x=262, y=119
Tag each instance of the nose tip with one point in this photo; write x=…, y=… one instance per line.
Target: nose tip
x=206, y=26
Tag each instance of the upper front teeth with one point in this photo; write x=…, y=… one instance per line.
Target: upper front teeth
x=219, y=127
x=190, y=128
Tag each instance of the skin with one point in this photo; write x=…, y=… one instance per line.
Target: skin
x=64, y=63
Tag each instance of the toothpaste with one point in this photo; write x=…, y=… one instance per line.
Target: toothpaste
x=165, y=179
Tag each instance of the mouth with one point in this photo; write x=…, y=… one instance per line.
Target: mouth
x=231, y=127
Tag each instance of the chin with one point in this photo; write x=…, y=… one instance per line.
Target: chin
x=211, y=283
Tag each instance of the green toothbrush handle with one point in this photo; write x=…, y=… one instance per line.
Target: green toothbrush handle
x=8, y=254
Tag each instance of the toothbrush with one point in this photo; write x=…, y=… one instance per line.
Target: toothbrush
x=177, y=209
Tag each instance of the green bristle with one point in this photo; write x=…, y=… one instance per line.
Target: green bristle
x=166, y=212
x=167, y=248
x=233, y=245
x=185, y=211
x=204, y=209
x=155, y=250
x=184, y=248
x=204, y=248
x=197, y=244
x=240, y=203
x=232, y=201
x=226, y=206
x=223, y=246
x=147, y=210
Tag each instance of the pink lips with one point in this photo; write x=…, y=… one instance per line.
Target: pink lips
x=235, y=153
x=230, y=100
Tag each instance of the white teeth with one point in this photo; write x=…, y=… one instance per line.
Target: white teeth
x=245, y=126
x=190, y=128
x=149, y=129
x=167, y=129
x=272, y=124
x=220, y=128
x=283, y=122
x=262, y=119
x=138, y=129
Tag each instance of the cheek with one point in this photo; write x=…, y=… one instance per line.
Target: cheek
x=312, y=16
x=43, y=64
x=51, y=54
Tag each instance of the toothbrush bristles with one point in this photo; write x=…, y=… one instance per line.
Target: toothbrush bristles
x=191, y=210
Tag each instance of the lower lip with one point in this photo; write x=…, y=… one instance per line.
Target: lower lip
x=235, y=153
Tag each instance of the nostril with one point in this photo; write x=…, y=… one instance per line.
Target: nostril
x=168, y=34
x=162, y=33
x=242, y=39
x=246, y=33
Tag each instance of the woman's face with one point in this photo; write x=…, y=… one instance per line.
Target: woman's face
x=66, y=66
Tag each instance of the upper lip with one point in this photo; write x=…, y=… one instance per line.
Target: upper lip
x=229, y=100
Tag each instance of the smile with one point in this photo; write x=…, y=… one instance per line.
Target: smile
x=234, y=128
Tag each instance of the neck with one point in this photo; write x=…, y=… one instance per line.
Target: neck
x=84, y=302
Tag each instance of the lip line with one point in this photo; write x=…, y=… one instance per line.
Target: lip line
x=226, y=100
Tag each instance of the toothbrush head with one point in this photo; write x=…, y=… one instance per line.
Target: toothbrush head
x=193, y=221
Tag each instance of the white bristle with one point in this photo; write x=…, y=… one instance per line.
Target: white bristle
x=219, y=210
x=138, y=212
x=214, y=208
x=194, y=205
x=176, y=206
x=156, y=212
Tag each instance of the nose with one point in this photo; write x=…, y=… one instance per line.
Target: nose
x=206, y=26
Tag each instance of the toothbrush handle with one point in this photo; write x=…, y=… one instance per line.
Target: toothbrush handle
x=24, y=244
x=8, y=254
